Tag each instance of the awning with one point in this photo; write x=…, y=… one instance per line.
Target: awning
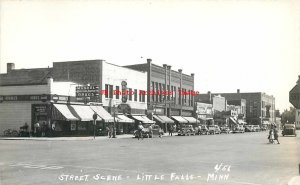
x=180, y=119
x=191, y=119
x=241, y=121
x=266, y=123
x=124, y=119
x=166, y=119
x=142, y=119
x=64, y=111
x=233, y=120
x=158, y=119
x=102, y=113
x=148, y=120
x=84, y=112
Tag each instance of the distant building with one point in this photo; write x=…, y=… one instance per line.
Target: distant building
x=260, y=107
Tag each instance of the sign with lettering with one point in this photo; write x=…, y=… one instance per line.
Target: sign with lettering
x=87, y=91
x=42, y=98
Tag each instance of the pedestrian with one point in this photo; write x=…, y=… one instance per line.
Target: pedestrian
x=276, y=134
x=109, y=131
x=271, y=135
x=171, y=128
x=151, y=130
x=36, y=129
x=140, y=130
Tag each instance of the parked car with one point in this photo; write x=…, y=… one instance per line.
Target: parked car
x=225, y=130
x=156, y=131
x=249, y=128
x=214, y=129
x=256, y=128
x=289, y=129
x=238, y=129
x=202, y=130
x=186, y=130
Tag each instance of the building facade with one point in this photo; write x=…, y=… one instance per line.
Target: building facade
x=259, y=106
x=169, y=92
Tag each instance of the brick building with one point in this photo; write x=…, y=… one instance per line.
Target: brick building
x=259, y=106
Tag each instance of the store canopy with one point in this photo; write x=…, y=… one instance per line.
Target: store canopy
x=191, y=119
x=124, y=119
x=62, y=112
x=102, y=113
x=84, y=112
x=233, y=120
x=266, y=123
x=158, y=119
x=142, y=119
x=180, y=119
x=241, y=122
x=148, y=120
x=166, y=119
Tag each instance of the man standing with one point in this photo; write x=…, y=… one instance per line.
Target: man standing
x=276, y=134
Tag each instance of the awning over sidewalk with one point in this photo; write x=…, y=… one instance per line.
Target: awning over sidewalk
x=142, y=119
x=166, y=119
x=62, y=112
x=84, y=112
x=158, y=119
x=191, y=119
x=124, y=119
x=180, y=119
x=102, y=113
x=242, y=122
x=233, y=120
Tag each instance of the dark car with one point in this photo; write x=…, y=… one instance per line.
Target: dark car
x=289, y=129
x=238, y=129
x=202, y=130
x=186, y=130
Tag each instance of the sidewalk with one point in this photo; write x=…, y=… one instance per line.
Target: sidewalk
x=67, y=138
x=72, y=138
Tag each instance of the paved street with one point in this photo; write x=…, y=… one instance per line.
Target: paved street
x=246, y=159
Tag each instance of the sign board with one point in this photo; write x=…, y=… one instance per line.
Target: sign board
x=294, y=95
x=87, y=91
x=42, y=98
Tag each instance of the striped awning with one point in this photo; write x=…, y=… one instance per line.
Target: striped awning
x=124, y=119
x=102, y=113
x=166, y=119
x=191, y=119
x=62, y=112
x=179, y=119
x=84, y=112
x=158, y=119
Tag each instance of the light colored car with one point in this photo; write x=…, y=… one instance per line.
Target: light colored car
x=225, y=130
x=214, y=129
x=256, y=128
x=238, y=129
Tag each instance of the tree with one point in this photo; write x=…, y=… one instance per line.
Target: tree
x=288, y=115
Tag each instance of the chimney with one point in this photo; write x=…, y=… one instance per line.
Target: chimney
x=165, y=65
x=298, y=82
x=149, y=60
x=192, y=74
x=238, y=91
x=10, y=67
x=209, y=94
x=180, y=70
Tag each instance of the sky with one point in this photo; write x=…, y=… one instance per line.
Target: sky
x=249, y=45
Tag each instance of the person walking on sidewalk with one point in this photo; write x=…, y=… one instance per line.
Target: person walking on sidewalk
x=276, y=134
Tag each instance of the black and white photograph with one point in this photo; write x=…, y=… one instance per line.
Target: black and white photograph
x=149, y=92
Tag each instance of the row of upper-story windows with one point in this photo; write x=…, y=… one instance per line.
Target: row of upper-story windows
x=161, y=92
x=117, y=93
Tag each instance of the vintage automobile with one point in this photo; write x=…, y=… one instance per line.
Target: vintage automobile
x=186, y=130
x=214, y=129
x=156, y=131
x=238, y=129
x=249, y=128
x=225, y=130
x=202, y=130
x=289, y=129
x=256, y=128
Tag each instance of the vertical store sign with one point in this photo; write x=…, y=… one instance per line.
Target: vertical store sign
x=124, y=89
